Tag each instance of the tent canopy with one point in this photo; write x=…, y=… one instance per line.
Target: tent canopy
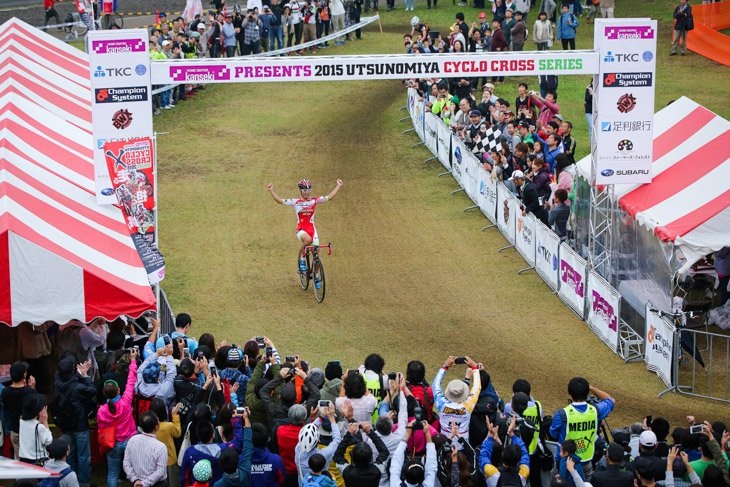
x=62, y=256
x=688, y=201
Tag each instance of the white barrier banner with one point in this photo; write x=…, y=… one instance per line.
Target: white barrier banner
x=420, y=108
x=251, y=69
x=444, y=143
x=603, y=309
x=469, y=179
x=525, y=237
x=431, y=132
x=121, y=96
x=624, y=100
x=458, y=152
x=547, y=246
x=659, y=346
x=572, y=283
x=412, y=99
x=505, y=212
x=487, y=195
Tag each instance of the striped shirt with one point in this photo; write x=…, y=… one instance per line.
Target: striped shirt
x=145, y=459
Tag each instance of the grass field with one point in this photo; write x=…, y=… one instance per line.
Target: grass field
x=411, y=276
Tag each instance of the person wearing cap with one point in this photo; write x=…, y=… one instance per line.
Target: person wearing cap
x=34, y=433
x=206, y=450
x=233, y=375
x=58, y=453
x=646, y=473
x=150, y=381
x=74, y=391
x=579, y=421
x=204, y=36
x=12, y=401
x=523, y=128
x=267, y=18
x=612, y=475
x=456, y=403
x=228, y=33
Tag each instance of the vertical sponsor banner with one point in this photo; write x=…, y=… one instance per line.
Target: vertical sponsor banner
x=525, y=237
x=411, y=103
x=505, y=212
x=469, y=179
x=431, y=132
x=572, y=282
x=132, y=168
x=420, y=106
x=547, y=246
x=121, y=98
x=444, y=143
x=603, y=309
x=659, y=346
x=625, y=100
x=458, y=153
x=487, y=196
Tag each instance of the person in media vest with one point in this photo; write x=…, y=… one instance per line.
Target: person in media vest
x=579, y=421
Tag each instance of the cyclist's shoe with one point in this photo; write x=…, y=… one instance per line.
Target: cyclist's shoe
x=317, y=282
x=302, y=265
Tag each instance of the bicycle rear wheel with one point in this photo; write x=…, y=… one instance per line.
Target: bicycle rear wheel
x=79, y=29
x=304, y=275
x=319, y=293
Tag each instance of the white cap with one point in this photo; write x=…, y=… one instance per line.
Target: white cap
x=517, y=174
x=166, y=43
x=648, y=439
x=201, y=24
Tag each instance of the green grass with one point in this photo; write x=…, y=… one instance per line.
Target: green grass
x=411, y=276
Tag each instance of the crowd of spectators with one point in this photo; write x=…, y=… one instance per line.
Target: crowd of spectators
x=527, y=143
x=193, y=412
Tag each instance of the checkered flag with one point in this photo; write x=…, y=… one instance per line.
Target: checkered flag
x=488, y=141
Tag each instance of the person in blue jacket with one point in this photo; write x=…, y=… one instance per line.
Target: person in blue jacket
x=567, y=23
x=237, y=469
x=515, y=459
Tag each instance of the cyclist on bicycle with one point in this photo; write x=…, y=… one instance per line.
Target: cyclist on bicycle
x=304, y=206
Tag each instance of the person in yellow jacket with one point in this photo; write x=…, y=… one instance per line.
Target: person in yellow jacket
x=169, y=430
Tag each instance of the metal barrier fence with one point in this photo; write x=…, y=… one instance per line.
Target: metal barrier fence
x=702, y=363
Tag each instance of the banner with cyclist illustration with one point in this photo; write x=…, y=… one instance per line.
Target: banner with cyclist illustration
x=131, y=167
x=507, y=207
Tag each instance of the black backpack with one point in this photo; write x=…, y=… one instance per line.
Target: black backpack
x=60, y=409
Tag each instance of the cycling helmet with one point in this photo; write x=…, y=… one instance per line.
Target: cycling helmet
x=305, y=184
x=308, y=437
x=415, y=21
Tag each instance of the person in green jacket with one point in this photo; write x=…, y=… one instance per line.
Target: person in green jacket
x=253, y=401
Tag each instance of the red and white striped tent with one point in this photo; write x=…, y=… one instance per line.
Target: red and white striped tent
x=688, y=201
x=62, y=256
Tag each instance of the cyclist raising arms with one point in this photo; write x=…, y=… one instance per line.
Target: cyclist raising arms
x=304, y=206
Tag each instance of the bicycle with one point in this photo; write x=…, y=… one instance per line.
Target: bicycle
x=313, y=261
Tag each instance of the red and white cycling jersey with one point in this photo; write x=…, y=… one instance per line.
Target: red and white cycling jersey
x=305, y=212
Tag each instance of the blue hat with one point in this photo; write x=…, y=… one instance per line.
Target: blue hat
x=235, y=355
x=475, y=113
x=152, y=373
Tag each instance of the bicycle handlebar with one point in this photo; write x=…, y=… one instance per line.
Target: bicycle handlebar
x=328, y=247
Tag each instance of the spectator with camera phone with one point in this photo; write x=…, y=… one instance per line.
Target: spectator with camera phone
x=457, y=401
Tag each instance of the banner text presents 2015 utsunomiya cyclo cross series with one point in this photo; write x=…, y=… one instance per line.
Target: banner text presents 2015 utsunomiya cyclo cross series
x=321, y=68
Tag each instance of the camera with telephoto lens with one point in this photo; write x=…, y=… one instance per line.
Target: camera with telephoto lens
x=418, y=416
x=520, y=423
x=393, y=375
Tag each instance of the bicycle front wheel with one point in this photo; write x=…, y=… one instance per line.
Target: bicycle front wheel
x=303, y=275
x=319, y=269
x=79, y=29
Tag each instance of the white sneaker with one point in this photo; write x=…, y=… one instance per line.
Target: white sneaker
x=168, y=107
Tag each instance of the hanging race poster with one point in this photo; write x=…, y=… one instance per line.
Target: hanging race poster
x=458, y=153
x=431, y=132
x=444, y=144
x=659, y=345
x=572, y=283
x=487, y=194
x=506, y=210
x=131, y=167
x=603, y=309
x=525, y=237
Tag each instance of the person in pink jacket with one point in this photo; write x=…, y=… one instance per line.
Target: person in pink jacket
x=118, y=411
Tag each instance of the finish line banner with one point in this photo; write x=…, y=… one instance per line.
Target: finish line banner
x=396, y=66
